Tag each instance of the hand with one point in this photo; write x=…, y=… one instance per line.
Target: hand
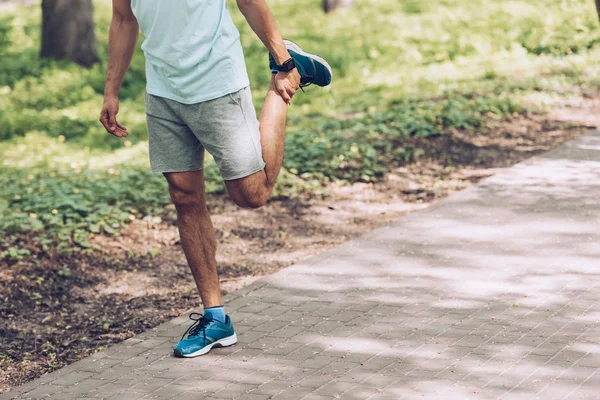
x=286, y=84
x=108, y=117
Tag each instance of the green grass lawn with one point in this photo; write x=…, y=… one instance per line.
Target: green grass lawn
x=402, y=68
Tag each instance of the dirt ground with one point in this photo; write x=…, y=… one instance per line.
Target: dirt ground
x=55, y=311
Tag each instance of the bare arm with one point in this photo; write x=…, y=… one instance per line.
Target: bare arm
x=123, y=35
x=263, y=23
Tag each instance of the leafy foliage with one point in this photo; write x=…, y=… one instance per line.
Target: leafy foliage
x=67, y=206
x=364, y=148
x=402, y=69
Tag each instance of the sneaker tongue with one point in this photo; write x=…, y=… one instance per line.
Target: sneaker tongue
x=201, y=325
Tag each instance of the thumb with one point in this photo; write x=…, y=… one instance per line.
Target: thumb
x=112, y=120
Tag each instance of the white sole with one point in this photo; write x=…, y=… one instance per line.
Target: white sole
x=293, y=46
x=228, y=341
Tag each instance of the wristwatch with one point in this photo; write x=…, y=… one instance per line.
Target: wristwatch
x=286, y=66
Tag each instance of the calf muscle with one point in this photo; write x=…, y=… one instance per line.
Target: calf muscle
x=196, y=233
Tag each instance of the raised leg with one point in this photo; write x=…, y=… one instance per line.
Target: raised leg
x=253, y=191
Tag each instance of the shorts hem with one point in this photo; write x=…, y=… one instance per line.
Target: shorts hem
x=170, y=170
x=244, y=174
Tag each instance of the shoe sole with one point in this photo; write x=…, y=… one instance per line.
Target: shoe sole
x=225, y=342
x=293, y=46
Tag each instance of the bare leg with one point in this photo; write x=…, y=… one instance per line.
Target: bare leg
x=197, y=233
x=253, y=191
x=272, y=134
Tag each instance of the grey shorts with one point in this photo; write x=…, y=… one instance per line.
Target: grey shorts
x=226, y=127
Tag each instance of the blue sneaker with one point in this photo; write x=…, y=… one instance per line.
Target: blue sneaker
x=205, y=334
x=312, y=68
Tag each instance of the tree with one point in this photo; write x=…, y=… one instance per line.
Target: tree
x=598, y=7
x=68, y=31
x=330, y=5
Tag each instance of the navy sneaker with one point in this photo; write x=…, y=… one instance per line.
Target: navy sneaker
x=312, y=68
x=204, y=334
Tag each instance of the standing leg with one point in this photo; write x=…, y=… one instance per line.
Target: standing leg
x=197, y=233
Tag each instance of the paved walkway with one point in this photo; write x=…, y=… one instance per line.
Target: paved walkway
x=492, y=293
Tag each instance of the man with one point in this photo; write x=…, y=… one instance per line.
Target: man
x=198, y=98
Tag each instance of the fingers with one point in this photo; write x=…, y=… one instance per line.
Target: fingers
x=109, y=121
x=291, y=91
x=283, y=92
x=122, y=130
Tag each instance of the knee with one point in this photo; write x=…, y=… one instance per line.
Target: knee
x=252, y=201
x=185, y=197
x=256, y=203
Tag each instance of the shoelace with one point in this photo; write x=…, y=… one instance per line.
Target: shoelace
x=310, y=79
x=201, y=321
x=305, y=84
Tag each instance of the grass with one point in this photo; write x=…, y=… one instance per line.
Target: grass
x=402, y=68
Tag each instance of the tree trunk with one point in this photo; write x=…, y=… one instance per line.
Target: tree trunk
x=330, y=5
x=598, y=7
x=68, y=31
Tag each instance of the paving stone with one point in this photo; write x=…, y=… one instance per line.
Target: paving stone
x=256, y=308
x=580, y=374
x=334, y=389
x=71, y=378
x=129, y=394
x=316, y=379
x=233, y=390
x=104, y=392
x=272, y=387
x=193, y=395
x=294, y=393
x=112, y=373
x=290, y=316
x=168, y=391
x=270, y=326
x=378, y=381
x=88, y=386
x=288, y=331
x=260, y=377
x=151, y=343
x=318, y=361
x=149, y=386
x=251, y=396
x=43, y=391
x=126, y=353
x=283, y=348
x=98, y=366
x=309, y=307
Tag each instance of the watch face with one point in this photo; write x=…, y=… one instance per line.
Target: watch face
x=288, y=65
